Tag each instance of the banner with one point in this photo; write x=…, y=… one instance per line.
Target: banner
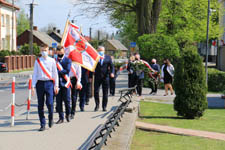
x=78, y=49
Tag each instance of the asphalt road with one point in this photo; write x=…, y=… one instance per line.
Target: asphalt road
x=21, y=92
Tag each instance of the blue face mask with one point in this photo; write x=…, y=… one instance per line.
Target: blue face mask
x=101, y=53
x=55, y=56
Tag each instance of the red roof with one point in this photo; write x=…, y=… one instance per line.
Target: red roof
x=3, y=2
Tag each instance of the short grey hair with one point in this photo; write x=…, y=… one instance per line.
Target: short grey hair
x=101, y=47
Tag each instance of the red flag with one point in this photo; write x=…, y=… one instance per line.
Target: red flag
x=78, y=49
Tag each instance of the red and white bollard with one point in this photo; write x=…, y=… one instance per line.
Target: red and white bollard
x=29, y=97
x=13, y=102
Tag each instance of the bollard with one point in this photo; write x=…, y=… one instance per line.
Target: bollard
x=29, y=97
x=13, y=103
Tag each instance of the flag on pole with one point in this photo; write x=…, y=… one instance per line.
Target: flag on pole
x=78, y=49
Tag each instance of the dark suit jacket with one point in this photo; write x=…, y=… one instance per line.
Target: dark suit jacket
x=103, y=71
x=66, y=64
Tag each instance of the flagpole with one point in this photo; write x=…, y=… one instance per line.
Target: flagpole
x=64, y=33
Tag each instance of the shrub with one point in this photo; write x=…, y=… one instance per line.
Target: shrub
x=4, y=53
x=25, y=49
x=216, y=80
x=158, y=46
x=190, y=85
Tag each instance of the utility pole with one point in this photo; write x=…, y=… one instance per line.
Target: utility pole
x=90, y=30
x=98, y=36
x=13, y=25
x=31, y=27
x=207, y=43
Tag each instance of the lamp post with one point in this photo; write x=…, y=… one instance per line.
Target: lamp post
x=207, y=43
x=13, y=24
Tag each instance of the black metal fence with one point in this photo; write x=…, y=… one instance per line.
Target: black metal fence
x=104, y=131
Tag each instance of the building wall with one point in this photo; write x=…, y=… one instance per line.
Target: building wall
x=24, y=39
x=6, y=29
x=221, y=58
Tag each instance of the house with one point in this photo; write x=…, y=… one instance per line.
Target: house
x=7, y=32
x=221, y=49
x=56, y=35
x=113, y=46
x=38, y=37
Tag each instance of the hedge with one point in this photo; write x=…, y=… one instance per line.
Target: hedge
x=216, y=80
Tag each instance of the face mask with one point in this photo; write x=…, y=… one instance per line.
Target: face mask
x=55, y=56
x=44, y=54
x=60, y=55
x=101, y=53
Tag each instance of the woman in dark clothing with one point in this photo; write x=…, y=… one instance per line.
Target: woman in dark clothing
x=131, y=74
x=167, y=74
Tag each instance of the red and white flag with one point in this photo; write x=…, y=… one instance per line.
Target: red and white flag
x=78, y=49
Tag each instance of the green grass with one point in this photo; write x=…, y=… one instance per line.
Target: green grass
x=159, y=141
x=163, y=114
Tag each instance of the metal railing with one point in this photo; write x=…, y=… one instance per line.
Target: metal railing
x=105, y=130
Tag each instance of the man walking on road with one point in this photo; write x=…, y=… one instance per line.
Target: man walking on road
x=103, y=70
x=45, y=79
x=63, y=65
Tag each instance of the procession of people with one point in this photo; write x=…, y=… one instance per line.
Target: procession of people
x=58, y=79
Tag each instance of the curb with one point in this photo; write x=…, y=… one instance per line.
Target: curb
x=179, y=131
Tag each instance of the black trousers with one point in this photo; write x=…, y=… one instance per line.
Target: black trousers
x=63, y=96
x=105, y=83
x=74, y=95
x=139, y=86
x=112, y=85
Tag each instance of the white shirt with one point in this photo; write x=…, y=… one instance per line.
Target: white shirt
x=38, y=74
x=170, y=70
x=78, y=72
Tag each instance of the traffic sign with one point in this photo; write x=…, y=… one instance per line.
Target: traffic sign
x=132, y=44
x=54, y=45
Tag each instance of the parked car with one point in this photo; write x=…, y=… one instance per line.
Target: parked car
x=3, y=67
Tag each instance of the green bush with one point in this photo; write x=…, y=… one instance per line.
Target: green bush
x=190, y=85
x=158, y=46
x=24, y=50
x=4, y=53
x=216, y=80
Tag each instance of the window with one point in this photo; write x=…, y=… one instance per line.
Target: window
x=3, y=20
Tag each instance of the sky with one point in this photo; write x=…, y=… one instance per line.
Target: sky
x=56, y=12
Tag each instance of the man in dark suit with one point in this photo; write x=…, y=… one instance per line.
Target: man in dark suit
x=103, y=70
x=63, y=65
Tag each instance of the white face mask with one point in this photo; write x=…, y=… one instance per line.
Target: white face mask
x=44, y=53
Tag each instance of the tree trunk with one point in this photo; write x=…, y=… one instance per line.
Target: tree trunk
x=147, y=15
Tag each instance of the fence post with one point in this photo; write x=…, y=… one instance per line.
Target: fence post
x=29, y=97
x=13, y=103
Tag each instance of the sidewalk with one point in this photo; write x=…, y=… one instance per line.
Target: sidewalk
x=69, y=136
x=180, y=131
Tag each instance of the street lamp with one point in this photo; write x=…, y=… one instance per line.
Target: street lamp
x=13, y=2
x=207, y=43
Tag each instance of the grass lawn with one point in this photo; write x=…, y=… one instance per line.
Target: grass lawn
x=160, y=141
x=164, y=114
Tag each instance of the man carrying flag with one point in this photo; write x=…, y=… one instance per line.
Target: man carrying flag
x=78, y=49
x=63, y=65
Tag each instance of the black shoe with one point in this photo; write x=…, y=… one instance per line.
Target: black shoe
x=82, y=109
x=59, y=121
x=72, y=116
x=42, y=129
x=67, y=118
x=96, y=108
x=50, y=123
x=104, y=109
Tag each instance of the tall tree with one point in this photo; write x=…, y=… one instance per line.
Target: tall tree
x=22, y=22
x=147, y=11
